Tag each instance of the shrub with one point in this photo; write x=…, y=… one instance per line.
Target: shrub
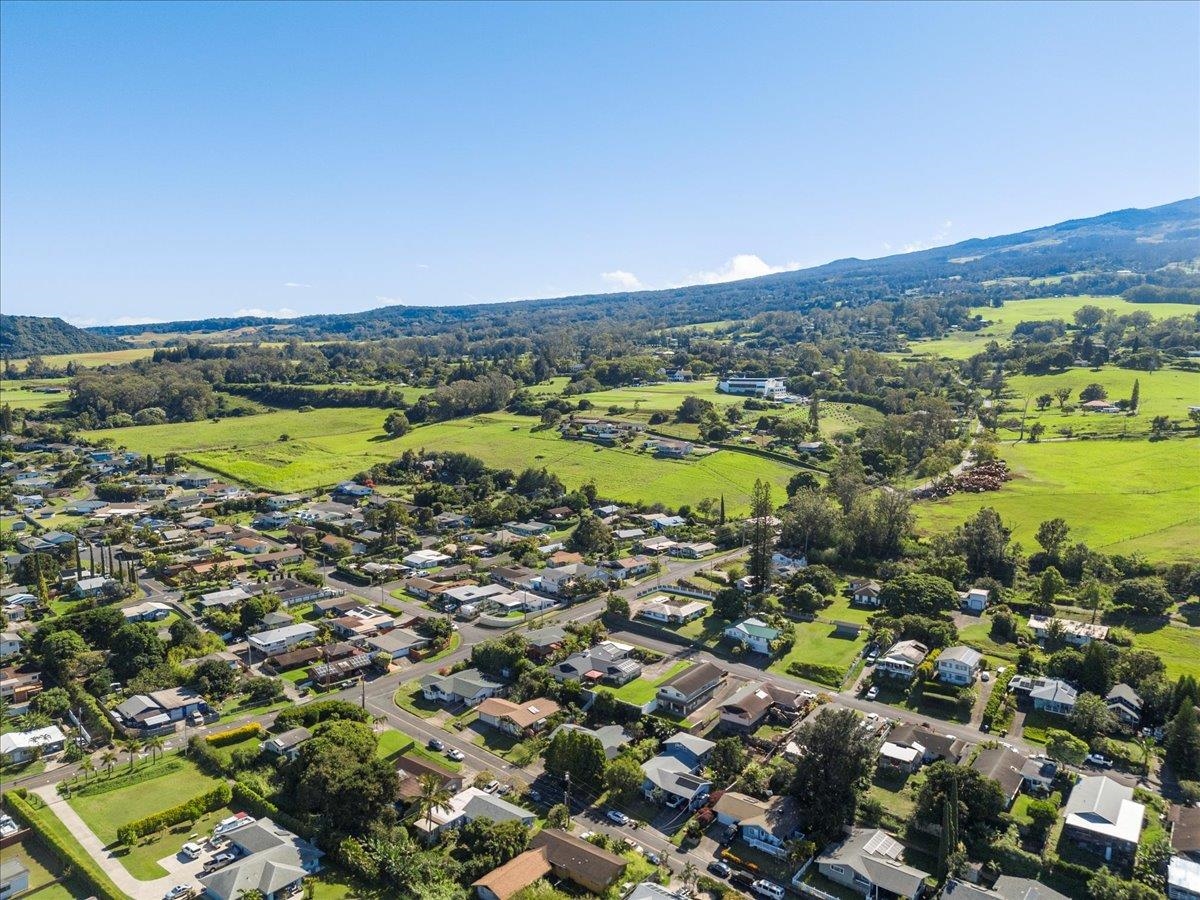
x=320, y=711
x=830, y=675
x=996, y=710
x=234, y=735
x=253, y=802
x=185, y=812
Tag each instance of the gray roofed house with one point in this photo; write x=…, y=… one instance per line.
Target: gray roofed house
x=1102, y=817
x=397, y=643
x=288, y=743
x=1007, y=887
x=470, y=686
x=933, y=746
x=959, y=665
x=690, y=689
x=1124, y=703
x=544, y=641
x=273, y=861
x=902, y=659
x=612, y=737
x=607, y=663
x=1004, y=767
x=671, y=777
x=869, y=861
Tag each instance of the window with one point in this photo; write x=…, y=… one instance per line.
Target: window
x=837, y=869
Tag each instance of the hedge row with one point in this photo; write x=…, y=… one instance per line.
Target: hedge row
x=206, y=756
x=235, y=735
x=830, y=675
x=996, y=700
x=102, y=784
x=185, y=812
x=245, y=797
x=68, y=853
x=95, y=720
x=321, y=710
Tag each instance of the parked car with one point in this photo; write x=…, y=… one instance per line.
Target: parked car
x=191, y=850
x=348, y=683
x=618, y=817
x=741, y=879
x=765, y=888
x=504, y=789
x=492, y=786
x=985, y=677
x=653, y=858
x=455, y=754
x=718, y=868
x=730, y=832
x=220, y=861
x=178, y=892
x=1098, y=760
x=535, y=796
x=196, y=719
x=435, y=744
x=674, y=801
x=872, y=693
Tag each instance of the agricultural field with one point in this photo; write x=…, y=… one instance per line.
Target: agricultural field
x=964, y=344
x=1132, y=496
x=92, y=360
x=1167, y=392
x=20, y=394
x=328, y=445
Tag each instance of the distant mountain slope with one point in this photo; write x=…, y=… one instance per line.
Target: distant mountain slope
x=29, y=335
x=1123, y=248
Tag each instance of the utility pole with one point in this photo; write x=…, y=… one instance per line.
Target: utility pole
x=567, y=798
x=363, y=697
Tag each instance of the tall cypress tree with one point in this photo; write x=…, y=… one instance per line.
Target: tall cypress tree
x=762, y=536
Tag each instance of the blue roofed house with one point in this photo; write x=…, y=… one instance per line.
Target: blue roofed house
x=671, y=777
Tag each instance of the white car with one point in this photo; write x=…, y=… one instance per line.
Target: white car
x=765, y=888
x=872, y=693
x=492, y=786
x=617, y=817
x=192, y=850
x=455, y=754
x=180, y=890
x=1098, y=760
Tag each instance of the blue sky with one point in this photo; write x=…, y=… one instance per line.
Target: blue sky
x=178, y=161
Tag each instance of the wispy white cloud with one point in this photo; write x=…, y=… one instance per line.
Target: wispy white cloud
x=744, y=265
x=295, y=284
x=284, y=312
x=939, y=238
x=422, y=266
x=622, y=280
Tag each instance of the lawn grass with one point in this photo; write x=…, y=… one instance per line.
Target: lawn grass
x=329, y=445
x=410, y=699
x=1178, y=646
x=142, y=860
x=642, y=690
x=19, y=396
x=43, y=869
x=815, y=643
x=964, y=344
x=1130, y=496
x=108, y=811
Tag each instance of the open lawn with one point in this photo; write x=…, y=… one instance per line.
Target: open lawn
x=393, y=744
x=107, y=811
x=1167, y=392
x=964, y=344
x=328, y=445
x=1178, y=646
x=142, y=860
x=18, y=395
x=43, y=868
x=92, y=360
x=1117, y=496
x=642, y=690
x=815, y=643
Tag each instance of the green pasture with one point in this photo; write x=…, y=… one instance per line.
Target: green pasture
x=816, y=643
x=328, y=445
x=1167, y=392
x=1001, y=321
x=92, y=360
x=1117, y=496
x=19, y=394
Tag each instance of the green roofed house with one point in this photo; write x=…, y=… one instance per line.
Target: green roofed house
x=753, y=633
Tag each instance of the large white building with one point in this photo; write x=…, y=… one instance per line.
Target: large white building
x=759, y=387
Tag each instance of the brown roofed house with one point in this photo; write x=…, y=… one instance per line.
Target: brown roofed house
x=578, y=861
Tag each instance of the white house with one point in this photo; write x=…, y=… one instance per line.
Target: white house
x=1079, y=634
x=975, y=600
x=866, y=593
x=753, y=633
x=426, y=559
x=469, y=687
x=10, y=644
x=959, y=665
x=280, y=640
x=902, y=659
x=20, y=746
x=768, y=388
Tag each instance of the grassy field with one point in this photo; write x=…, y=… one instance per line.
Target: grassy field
x=18, y=394
x=44, y=868
x=815, y=643
x=1118, y=496
x=1168, y=392
x=92, y=360
x=328, y=445
x=642, y=690
x=963, y=344
x=107, y=811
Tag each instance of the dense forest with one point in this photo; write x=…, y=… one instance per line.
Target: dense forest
x=29, y=335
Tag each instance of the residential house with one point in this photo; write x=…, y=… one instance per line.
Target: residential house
x=91, y=587
x=669, y=448
x=362, y=622
x=1003, y=766
x=656, y=545
x=332, y=672
x=468, y=805
x=411, y=768
x=270, y=860
x=287, y=744
x=277, y=559
x=869, y=861
x=542, y=642
x=1103, y=818
x=517, y=719
x=754, y=634
x=14, y=878
x=559, y=579
x=1078, y=634
x=349, y=490
x=866, y=593
x=1183, y=879
x=692, y=550
x=975, y=600
x=684, y=693
x=1185, y=831
x=788, y=562
x=768, y=388
x=959, y=665
x=672, y=610
x=631, y=566
x=10, y=644
x=425, y=559
x=1007, y=887
x=1038, y=774
x=159, y=708
x=148, y=611
x=902, y=659
x=22, y=746
x=553, y=852
x=606, y=663
x=765, y=825
x=398, y=643
x=749, y=705
x=671, y=777
x=280, y=640
x=469, y=687
x=910, y=746
x=1050, y=694
x=1124, y=703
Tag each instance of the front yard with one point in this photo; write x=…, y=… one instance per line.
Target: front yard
x=641, y=691
x=410, y=699
x=817, y=644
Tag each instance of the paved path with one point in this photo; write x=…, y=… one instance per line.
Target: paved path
x=138, y=890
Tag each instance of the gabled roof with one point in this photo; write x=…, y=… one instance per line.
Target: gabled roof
x=575, y=855
x=695, y=679
x=1104, y=806
x=1124, y=695
x=1003, y=766
x=515, y=875
x=875, y=855
x=1185, y=830
x=968, y=656
x=1054, y=690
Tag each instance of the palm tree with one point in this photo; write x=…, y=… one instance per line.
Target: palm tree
x=108, y=759
x=1144, y=747
x=434, y=795
x=156, y=745
x=87, y=767
x=689, y=874
x=133, y=747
